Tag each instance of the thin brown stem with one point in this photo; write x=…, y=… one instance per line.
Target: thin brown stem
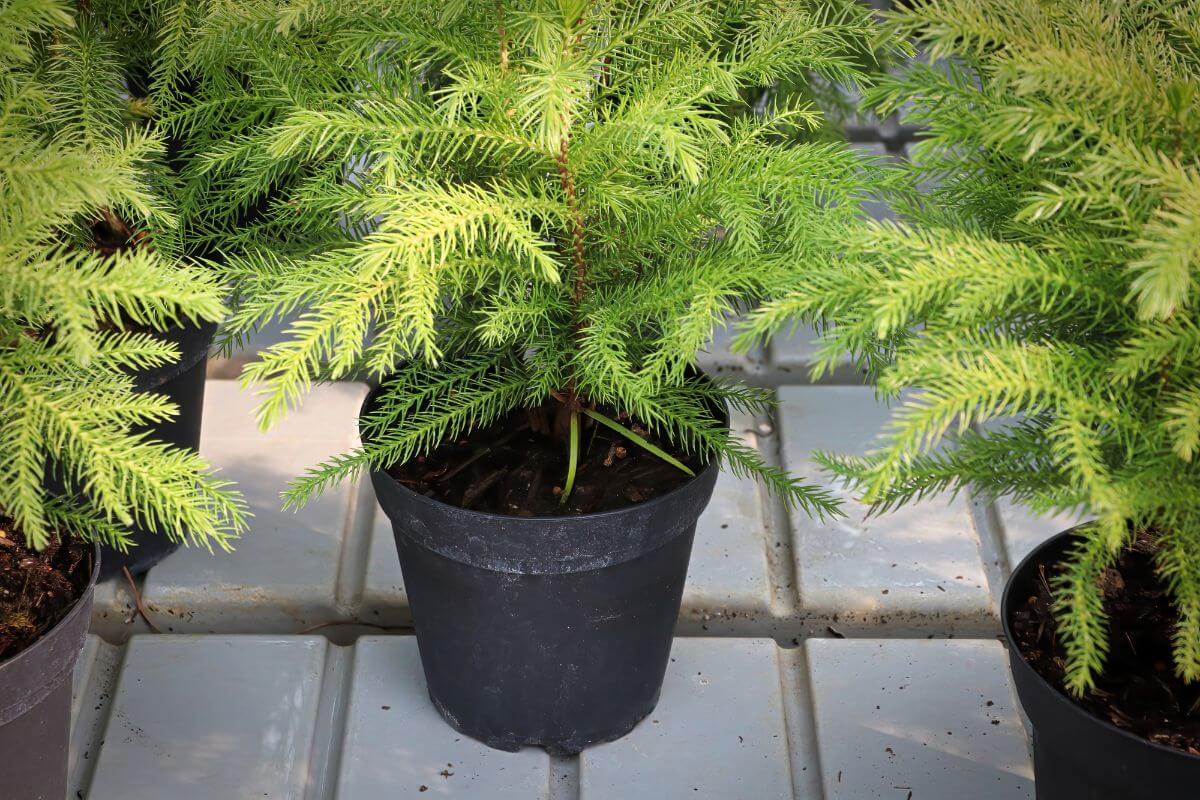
x=567, y=417
x=579, y=292
x=568, y=185
x=138, y=605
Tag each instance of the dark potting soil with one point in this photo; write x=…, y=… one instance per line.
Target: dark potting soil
x=1138, y=690
x=509, y=468
x=37, y=589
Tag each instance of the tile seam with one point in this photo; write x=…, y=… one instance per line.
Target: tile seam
x=84, y=769
x=354, y=553
x=329, y=731
x=800, y=721
x=782, y=577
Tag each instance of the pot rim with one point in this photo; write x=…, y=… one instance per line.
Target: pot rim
x=712, y=466
x=75, y=609
x=1036, y=556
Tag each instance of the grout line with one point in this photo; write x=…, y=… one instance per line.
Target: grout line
x=564, y=778
x=356, y=548
x=781, y=564
x=325, y=760
x=992, y=550
x=795, y=631
x=800, y=718
x=89, y=728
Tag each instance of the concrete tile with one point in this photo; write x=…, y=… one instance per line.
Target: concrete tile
x=113, y=610
x=934, y=718
x=384, y=601
x=328, y=414
x=91, y=695
x=718, y=731
x=874, y=208
x=283, y=575
x=791, y=354
x=397, y=746
x=208, y=717
x=915, y=569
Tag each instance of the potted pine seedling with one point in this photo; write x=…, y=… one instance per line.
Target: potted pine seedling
x=1041, y=304
x=111, y=61
x=523, y=219
x=68, y=405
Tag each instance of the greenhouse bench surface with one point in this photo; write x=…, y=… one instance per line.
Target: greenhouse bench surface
x=846, y=659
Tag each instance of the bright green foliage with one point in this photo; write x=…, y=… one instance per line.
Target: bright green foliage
x=1041, y=302
x=491, y=204
x=70, y=157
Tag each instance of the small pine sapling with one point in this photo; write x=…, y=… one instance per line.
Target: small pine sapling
x=1041, y=300
x=501, y=205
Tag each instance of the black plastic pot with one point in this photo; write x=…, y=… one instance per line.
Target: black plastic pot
x=1078, y=756
x=550, y=631
x=35, y=706
x=183, y=383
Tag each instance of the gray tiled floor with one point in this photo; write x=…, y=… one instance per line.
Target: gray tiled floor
x=262, y=686
x=395, y=742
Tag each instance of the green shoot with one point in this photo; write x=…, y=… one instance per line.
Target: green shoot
x=639, y=441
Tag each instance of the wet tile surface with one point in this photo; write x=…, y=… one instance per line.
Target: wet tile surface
x=237, y=716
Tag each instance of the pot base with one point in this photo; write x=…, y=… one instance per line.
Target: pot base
x=1059, y=779
x=514, y=743
x=560, y=662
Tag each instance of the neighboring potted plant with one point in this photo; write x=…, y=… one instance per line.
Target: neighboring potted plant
x=523, y=219
x=1041, y=304
x=123, y=36
x=67, y=401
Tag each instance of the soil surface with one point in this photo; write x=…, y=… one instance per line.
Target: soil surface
x=1138, y=690
x=510, y=468
x=37, y=589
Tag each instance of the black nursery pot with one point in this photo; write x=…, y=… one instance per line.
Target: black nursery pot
x=1078, y=756
x=183, y=384
x=35, y=706
x=550, y=631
